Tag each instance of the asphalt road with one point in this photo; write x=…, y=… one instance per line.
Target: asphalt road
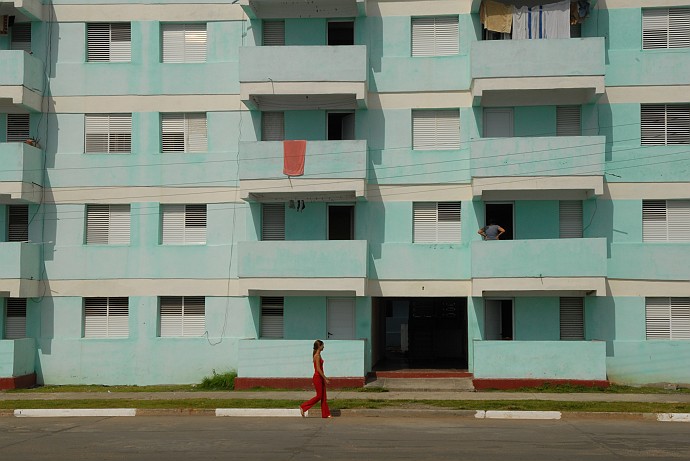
x=174, y=438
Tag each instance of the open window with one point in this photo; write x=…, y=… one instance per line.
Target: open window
x=341, y=126
x=341, y=33
x=341, y=222
x=501, y=214
x=498, y=317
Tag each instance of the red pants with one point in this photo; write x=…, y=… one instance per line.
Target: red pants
x=320, y=386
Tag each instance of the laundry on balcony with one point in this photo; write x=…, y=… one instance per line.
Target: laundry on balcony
x=496, y=16
x=293, y=157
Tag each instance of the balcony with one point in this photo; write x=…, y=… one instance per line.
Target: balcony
x=20, y=269
x=333, y=171
x=278, y=9
x=21, y=80
x=304, y=77
x=557, y=267
x=308, y=268
x=571, y=360
x=557, y=168
x=20, y=173
x=537, y=72
x=29, y=9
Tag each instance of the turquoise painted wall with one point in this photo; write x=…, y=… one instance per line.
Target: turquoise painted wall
x=536, y=319
x=536, y=219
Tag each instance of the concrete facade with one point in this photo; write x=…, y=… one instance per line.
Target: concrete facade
x=372, y=168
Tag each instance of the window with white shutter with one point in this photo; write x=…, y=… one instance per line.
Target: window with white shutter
x=15, y=318
x=107, y=224
x=568, y=121
x=666, y=220
x=108, y=133
x=18, y=223
x=182, y=316
x=109, y=42
x=183, y=224
x=436, y=222
x=21, y=36
x=184, y=43
x=665, y=28
x=272, y=308
x=664, y=124
x=572, y=319
x=272, y=126
x=435, y=36
x=274, y=33
x=435, y=129
x=184, y=132
x=106, y=317
x=570, y=219
x=667, y=318
x=273, y=221
x=17, y=127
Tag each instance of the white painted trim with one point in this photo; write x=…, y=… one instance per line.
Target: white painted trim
x=124, y=195
x=305, y=286
x=418, y=7
x=673, y=417
x=21, y=95
x=497, y=414
x=145, y=287
x=646, y=190
x=563, y=187
x=419, y=193
x=32, y=7
x=182, y=12
x=21, y=191
x=268, y=88
x=646, y=94
x=420, y=100
x=480, y=85
x=419, y=288
x=152, y=103
x=84, y=412
x=256, y=188
x=538, y=286
x=259, y=412
x=643, y=288
x=613, y=4
x=20, y=288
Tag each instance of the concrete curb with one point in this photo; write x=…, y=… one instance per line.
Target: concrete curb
x=392, y=412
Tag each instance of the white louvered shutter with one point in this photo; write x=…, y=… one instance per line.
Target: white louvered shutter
x=109, y=42
x=658, y=318
x=436, y=222
x=274, y=33
x=654, y=226
x=18, y=223
x=194, y=316
x=184, y=132
x=678, y=217
x=184, y=224
x=106, y=317
x=171, y=316
x=184, y=43
x=272, y=126
x=273, y=221
x=195, y=224
x=665, y=28
x=572, y=319
x=570, y=219
x=435, y=36
x=677, y=124
x=173, y=224
x=435, y=129
x=21, y=37
x=15, y=318
x=108, y=133
x=449, y=229
x=272, y=317
x=108, y=224
x=680, y=318
x=568, y=121
x=17, y=127
x=665, y=124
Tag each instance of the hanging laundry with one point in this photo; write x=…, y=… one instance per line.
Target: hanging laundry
x=293, y=157
x=496, y=16
x=583, y=9
x=574, y=14
x=528, y=23
x=557, y=19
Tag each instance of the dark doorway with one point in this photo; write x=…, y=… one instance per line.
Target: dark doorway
x=341, y=126
x=498, y=319
x=429, y=333
x=341, y=33
x=341, y=222
x=502, y=215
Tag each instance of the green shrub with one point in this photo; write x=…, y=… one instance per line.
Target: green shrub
x=219, y=382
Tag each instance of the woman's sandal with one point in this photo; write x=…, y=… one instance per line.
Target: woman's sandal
x=301, y=412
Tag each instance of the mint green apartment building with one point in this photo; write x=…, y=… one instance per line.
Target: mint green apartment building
x=148, y=233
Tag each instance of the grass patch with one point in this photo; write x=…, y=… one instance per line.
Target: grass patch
x=346, y=404
x=219, y=382
x=106, y=389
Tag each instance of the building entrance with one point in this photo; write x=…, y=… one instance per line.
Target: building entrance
x=420, y=333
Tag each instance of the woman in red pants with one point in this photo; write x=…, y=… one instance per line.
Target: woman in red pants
x=319, y=379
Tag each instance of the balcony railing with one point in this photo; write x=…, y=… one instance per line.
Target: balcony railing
x=21, y=79
x=281, y=9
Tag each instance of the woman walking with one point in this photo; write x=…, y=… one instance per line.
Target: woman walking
x=319, y=379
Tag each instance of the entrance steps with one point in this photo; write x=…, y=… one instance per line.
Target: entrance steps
x=420, y=381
